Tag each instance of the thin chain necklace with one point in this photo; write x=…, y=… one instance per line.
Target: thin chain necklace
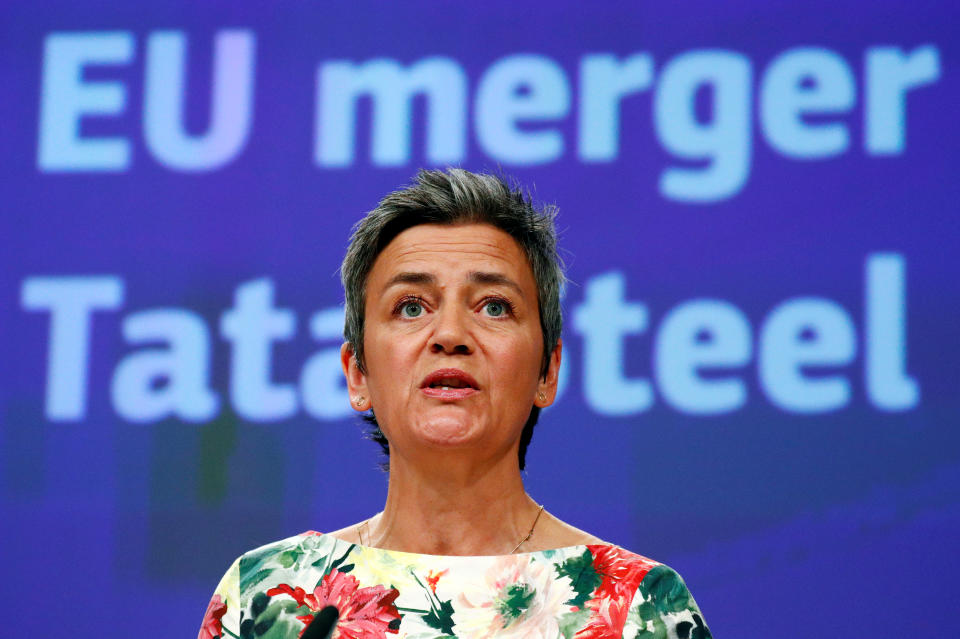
x=529, y=534
x=366, y=524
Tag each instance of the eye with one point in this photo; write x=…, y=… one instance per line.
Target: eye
x=411, y=308
x=497, y=307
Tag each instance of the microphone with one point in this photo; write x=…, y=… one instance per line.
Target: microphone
x=322, y=625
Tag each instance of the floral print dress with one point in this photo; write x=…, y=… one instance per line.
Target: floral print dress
x=585, y=592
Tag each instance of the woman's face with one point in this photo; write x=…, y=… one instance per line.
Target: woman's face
x=452, y=341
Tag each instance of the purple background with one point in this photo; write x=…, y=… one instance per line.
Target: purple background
x=782, y=524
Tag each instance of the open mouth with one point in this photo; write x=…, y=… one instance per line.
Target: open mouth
x=448, y=383
x=449, y=379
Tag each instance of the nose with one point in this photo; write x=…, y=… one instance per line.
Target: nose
x=451, y=334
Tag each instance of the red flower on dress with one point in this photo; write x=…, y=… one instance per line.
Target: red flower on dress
x=365, y=613
x=212, y=627
x=621, y=573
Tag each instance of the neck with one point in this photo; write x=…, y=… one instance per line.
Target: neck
x=452, y=511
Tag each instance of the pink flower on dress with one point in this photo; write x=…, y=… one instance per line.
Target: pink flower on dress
x=212, y=627
x=365, y=613
x=621, y=573
x=517, y=598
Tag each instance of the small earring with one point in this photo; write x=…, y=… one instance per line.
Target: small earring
x=358, y=400
x=541, y=396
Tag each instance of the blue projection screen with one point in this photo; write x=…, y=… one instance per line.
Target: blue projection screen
x=758, y=206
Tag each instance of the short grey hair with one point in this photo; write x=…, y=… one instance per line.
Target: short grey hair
x=452, y=197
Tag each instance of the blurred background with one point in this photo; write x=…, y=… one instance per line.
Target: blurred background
x=758, y=207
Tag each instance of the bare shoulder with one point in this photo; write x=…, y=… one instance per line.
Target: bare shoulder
x=350, y=534
x=559, y=534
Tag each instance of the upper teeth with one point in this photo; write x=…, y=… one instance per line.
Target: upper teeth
x=448, y=383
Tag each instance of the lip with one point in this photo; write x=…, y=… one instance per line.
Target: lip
x=450, y=394
x=469, y=389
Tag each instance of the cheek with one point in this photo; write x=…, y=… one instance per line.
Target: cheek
x=390, y=362
x=520, y=365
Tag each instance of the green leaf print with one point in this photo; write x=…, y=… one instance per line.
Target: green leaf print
x=515, y=601
x=251, y=567
x=340, y=561
x=572, y=622
x=255, y=558
x=283, y=629
x=252, y=579
x=665, y=590
x=440, y=617
x=289, y=558
x=331, y=565
x=659, y=631
x=583, y=577
x=696, y=630
x=259, y=604
x=642, y=616
x=277, y=620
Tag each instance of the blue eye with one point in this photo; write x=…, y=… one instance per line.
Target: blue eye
x=411, y=309
x=495, y=308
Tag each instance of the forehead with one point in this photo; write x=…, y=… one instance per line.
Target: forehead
x=446, y=249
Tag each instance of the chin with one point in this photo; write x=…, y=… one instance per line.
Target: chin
x=446, y=431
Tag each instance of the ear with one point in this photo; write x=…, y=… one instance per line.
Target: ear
x=356, y=379
x=547, y=386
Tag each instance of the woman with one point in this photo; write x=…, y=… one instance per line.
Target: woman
x=453, y=343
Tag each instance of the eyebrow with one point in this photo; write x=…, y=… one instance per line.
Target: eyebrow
x=408, y=277
x=481, y=277
x=476, y=277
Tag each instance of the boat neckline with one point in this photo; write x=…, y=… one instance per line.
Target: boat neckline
x=453, y=557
